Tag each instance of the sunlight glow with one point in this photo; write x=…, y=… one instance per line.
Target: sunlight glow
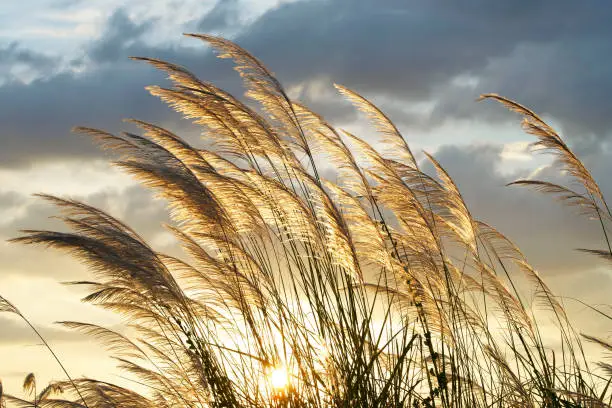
x=279, y=378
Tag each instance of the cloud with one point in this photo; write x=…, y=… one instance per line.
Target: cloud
x=134, y=204
x=552, y=56
x=18, y=61
x=564, y=80
x=119, y=33
x=220, y=17
x=63, y=4
x=14, y=54
x=36, y=118
x=17, y=332
x=546, y=231
x=431, y=53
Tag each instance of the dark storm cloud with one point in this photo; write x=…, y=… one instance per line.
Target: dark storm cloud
x=551, y=55
x=567, y=80
x=412, y=50
x=36, y=118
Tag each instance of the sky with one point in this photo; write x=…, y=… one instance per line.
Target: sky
x=424, y=62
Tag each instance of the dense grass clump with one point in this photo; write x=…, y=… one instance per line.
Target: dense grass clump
x=378, y=290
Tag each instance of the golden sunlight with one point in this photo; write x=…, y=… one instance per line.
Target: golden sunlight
x=279, y=378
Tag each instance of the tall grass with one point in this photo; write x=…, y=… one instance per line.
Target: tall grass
x=380, y=290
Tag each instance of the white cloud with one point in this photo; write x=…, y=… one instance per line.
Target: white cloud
x=65, y=178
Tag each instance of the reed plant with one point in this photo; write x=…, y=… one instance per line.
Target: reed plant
x=378, y=289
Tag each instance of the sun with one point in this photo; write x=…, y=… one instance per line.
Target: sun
x=279, y=378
